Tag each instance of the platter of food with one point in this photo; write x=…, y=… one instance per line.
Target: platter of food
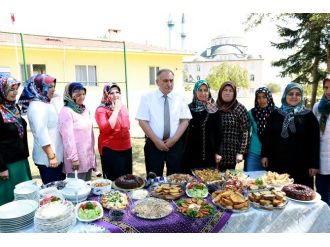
x=235, y=174
x=128, y=182
x=268, y=199
x=179, y=178
x=167, y=191
x=195, y=208
x=301, y=193
x=207, y=175
x=230, y=200
x=51, y=199
x=114, y=200
x=316, y=199
x=273, y=179
x=89, y=211
x=197, y=190
x=152, y=208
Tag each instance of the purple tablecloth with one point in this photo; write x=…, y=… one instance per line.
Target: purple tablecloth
x=174, y=223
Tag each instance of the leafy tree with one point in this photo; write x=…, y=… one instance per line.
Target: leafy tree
x=227, y=72
x=308, y=41
x=274, y=87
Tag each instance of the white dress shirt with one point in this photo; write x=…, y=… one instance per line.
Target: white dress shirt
x=43, y=120
x=324, y=144
x=151, y=109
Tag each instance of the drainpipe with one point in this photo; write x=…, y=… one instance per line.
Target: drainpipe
x=125, y=65
x=24, y=61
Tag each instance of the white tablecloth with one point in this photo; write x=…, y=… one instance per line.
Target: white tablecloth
x=297, y=217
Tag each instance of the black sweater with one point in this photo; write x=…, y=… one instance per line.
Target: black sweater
x=12, y=147
x=202, y=140
x=297, y=153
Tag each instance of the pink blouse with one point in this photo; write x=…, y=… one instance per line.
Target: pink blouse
x=78, y=139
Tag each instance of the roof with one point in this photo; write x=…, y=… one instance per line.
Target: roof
x=44, y=41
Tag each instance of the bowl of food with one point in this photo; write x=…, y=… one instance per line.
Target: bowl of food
x=89, y=211
x=101, y=186
x=139, y=194
x=76, y=191
x=196, y=190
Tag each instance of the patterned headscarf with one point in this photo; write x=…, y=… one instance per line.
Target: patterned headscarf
x=324, y=109
x=261, y=114
x=69, y=96
x=196, y=105
x=35, y=89
x=289, y=111
x=106, y=102
x=227, y=106
x=8, y=109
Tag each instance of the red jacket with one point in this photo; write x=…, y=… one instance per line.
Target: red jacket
x=117, y=138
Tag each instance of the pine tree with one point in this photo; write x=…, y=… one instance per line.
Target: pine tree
x=309, y=42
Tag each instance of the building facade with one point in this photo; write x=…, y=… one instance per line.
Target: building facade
x=92, y=62
x=230, y=50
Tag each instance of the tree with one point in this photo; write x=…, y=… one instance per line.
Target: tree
x=226, y=72
x=274, y=87
x=308, y=40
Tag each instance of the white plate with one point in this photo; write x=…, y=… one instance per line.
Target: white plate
x=89, y=220
x=16, y=209
x=316, y=199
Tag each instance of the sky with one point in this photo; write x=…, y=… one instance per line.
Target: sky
x=145, y=21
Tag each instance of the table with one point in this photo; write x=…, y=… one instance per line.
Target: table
x=296, y=217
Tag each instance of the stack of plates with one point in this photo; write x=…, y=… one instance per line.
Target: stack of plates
x=55, y=217
x=27, y=192
x=17, y=215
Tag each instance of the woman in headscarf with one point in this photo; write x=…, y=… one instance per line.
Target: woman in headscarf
x=291, y=140
x=235, y=126
x=204, y=133
x=42, y=114
x=322, y=111
x=14, y=166
x=258, y=116
x=114, y=141
x=76, y=128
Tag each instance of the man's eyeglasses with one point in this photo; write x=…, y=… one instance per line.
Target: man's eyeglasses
x=294, y=94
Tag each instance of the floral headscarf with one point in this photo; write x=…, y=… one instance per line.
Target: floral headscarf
x=227, y=106
x=8, y=109
x=196, y=105
x=261, y=114
x=289, y=111
x=35, y=89
x=69, y=95
x=106, y=102
x=324, y=109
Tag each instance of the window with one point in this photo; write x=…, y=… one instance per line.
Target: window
x=152, y=75
x=198, y=67
x=39, y=68
x=252, y=77
x=198, y=78
x=86, y=75
x=28, y=71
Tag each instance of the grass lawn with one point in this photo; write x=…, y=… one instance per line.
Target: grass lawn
x=138, y=156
